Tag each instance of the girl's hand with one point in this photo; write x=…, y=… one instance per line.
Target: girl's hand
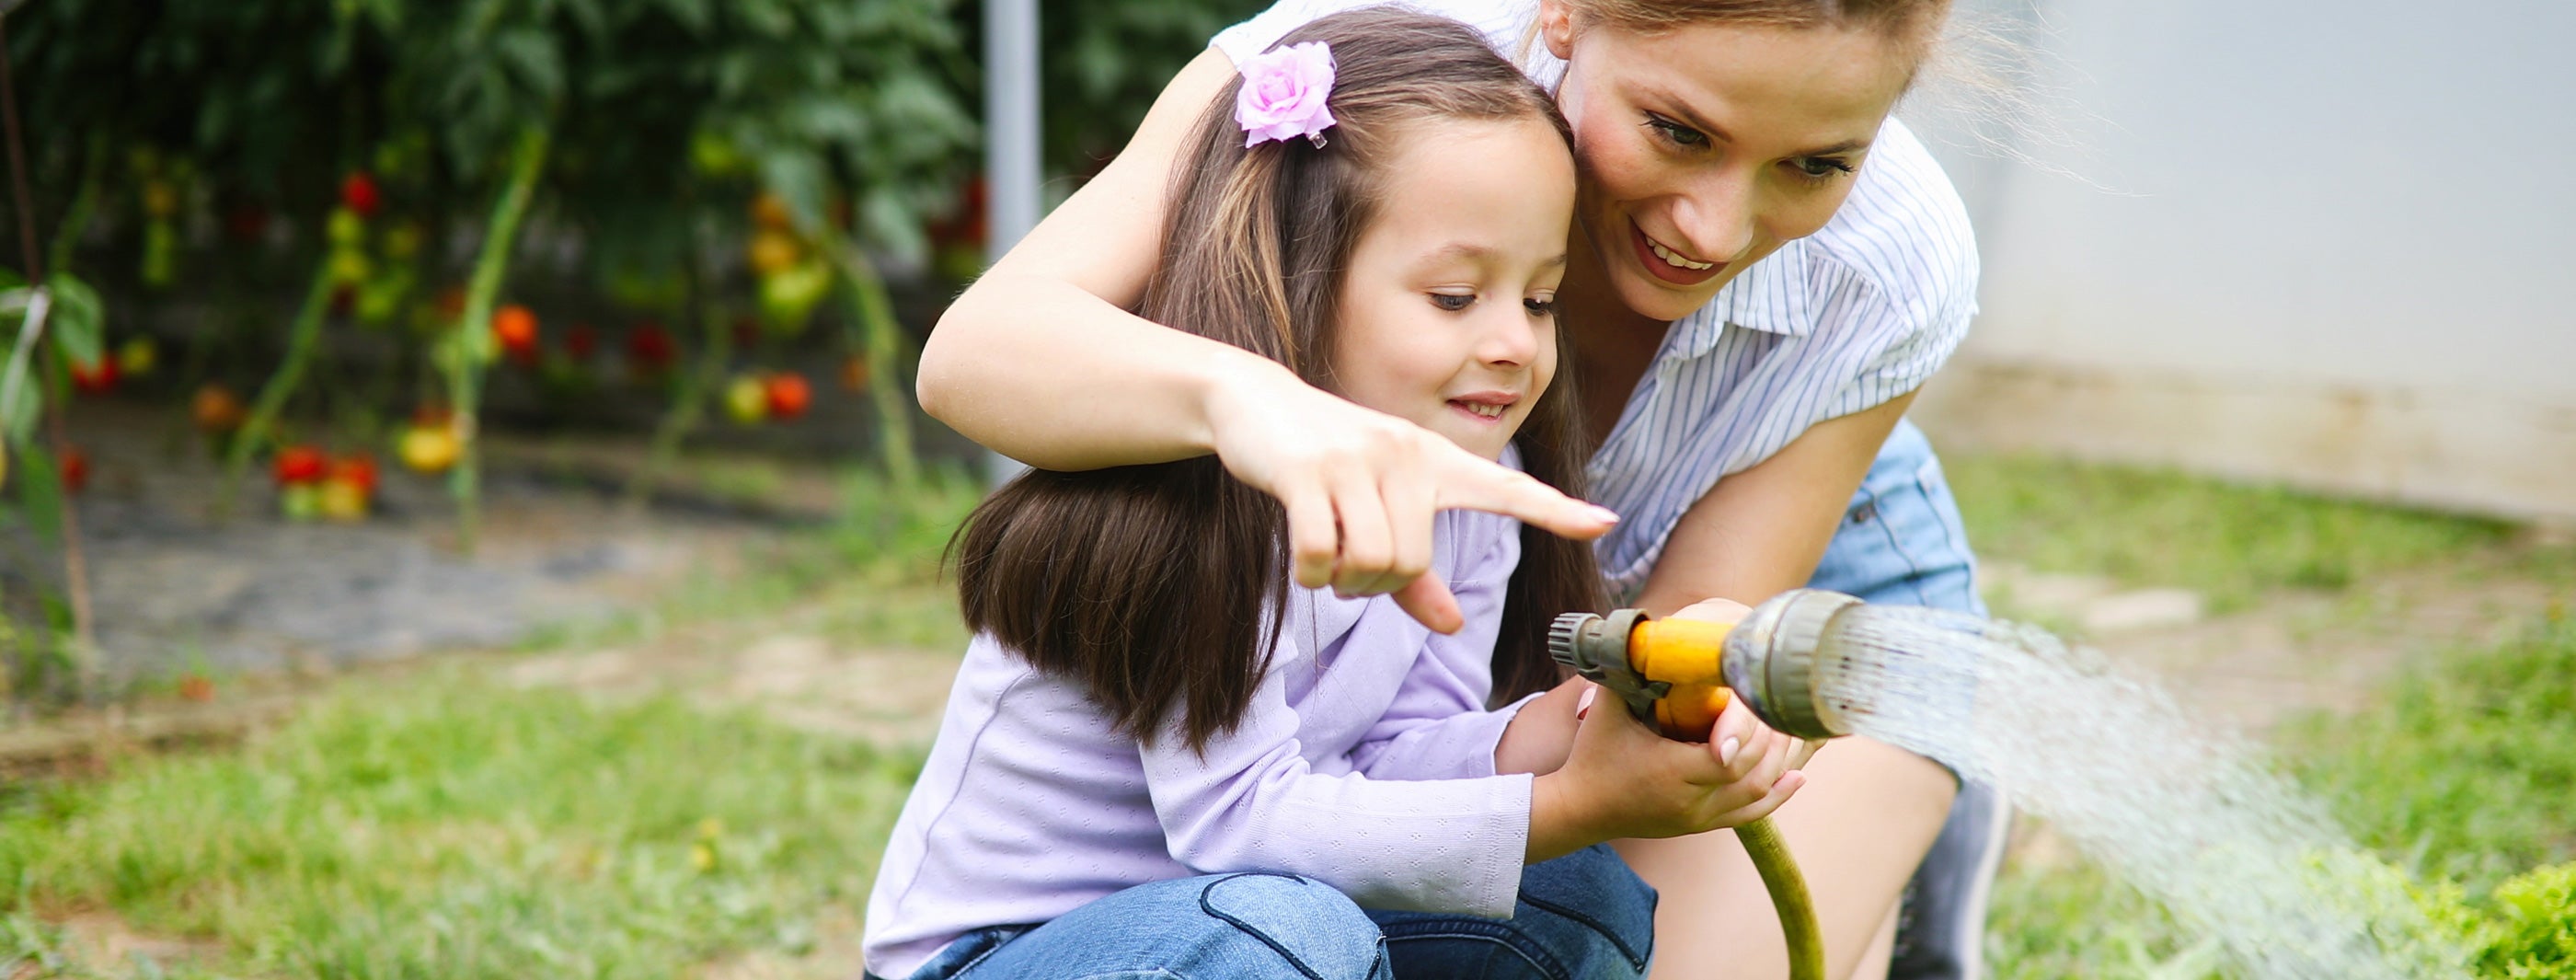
x=1731, y=612
x=1361, y=487
x=1622, y=779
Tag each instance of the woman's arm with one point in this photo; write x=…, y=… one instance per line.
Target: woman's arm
x=1761, y=532
x=1041, y=361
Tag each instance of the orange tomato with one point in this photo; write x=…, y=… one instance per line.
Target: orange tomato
x=515, y=328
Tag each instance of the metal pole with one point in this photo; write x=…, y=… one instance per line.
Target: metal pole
x=1010, y=144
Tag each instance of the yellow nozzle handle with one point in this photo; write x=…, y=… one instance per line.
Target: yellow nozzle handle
x=1679, y=651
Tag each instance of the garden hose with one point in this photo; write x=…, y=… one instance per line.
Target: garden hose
x=1680, y=674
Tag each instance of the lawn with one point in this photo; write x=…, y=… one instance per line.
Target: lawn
x=437, y=821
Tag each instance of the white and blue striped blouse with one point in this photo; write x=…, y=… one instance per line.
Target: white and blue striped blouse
x=1843, y=320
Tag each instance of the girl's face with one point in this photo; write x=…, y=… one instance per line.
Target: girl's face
x=1706, y=147
x=1448, y=312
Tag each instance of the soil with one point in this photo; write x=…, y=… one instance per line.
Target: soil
x=177, y=587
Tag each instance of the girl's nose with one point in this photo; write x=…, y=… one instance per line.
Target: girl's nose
x=1511, y=339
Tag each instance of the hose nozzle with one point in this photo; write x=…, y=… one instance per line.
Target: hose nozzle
x=1769, y=660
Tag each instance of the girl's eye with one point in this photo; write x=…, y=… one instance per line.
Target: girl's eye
x=1451, y=302
x=1820, y=168
x=1675, y=133
x=1538, y=306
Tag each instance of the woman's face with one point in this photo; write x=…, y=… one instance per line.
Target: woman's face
x=1704, y=148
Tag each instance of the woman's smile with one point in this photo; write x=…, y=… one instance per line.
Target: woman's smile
x=1668, y=264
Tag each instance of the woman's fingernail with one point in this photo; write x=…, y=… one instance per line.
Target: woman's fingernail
x=1726, y=750
x=1605, y=514
x=1583, y=705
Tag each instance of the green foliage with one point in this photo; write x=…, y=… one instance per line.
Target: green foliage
x=2162, y=527
x=1105, y=60
x=2534, y=933
x=2466, y=766
x=450, y=828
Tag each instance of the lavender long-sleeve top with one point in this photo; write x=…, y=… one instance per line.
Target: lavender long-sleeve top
x=1366, y=761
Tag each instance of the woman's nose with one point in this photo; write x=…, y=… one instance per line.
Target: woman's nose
x=1716, y=218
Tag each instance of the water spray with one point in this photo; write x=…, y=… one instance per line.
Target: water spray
x=2174, y=805
x=1680, y=673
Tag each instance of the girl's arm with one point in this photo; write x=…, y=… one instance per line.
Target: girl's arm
x=1041, y=361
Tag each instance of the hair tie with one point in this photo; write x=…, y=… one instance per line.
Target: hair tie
x=1283, y=94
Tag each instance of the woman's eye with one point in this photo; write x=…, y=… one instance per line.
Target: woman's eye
x=1451, y=302
x=1676, y=133
x=1820, y=168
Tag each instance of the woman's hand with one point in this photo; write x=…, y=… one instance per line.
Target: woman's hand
x=1361, y=487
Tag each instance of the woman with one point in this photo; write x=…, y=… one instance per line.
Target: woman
x=1765, y=267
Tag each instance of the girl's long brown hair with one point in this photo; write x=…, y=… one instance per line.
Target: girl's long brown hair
x=1161, y=587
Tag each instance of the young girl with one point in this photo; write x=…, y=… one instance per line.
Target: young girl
x=1161, y=757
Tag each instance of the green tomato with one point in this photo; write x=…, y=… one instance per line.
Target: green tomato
x=301, y=501
x=714, y=156
x=345, y=228
x=160, y=253
x=787, y=297
x=402, y=241
x=746, y=400
x=350, y=267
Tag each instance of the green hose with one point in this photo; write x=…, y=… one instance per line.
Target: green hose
x=1789, y=895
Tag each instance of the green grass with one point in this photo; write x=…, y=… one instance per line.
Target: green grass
x=2159, y=527
x=2466, y=773
x=2464, y=770
x=442, y=825
x=447, y=827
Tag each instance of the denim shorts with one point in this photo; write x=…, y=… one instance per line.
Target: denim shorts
x=1901, y=541
x=1580, y=917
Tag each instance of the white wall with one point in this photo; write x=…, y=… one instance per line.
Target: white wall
x=2333, y=243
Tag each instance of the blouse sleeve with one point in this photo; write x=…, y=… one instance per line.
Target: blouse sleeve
x=1252, y=802
x=1438, y=726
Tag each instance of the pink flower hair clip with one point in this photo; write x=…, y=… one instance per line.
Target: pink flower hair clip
x=1283, y=94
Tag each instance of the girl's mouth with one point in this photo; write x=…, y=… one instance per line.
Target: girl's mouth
x=1483, y=407
x=1668, y=265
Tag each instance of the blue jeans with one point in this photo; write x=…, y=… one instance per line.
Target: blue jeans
x=1581, y=916
x=1901, y=542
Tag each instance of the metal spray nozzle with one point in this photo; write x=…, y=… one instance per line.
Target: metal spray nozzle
x=1768, y=659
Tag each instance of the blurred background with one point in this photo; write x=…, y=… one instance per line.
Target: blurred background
x=463, y=513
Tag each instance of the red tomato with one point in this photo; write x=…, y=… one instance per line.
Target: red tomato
x=788, y=393
x=75, y=469
x=246, y=222
x=358, y=192
x=98, y=378
x=358, y=470
x=651, y=347
x=299, y=464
